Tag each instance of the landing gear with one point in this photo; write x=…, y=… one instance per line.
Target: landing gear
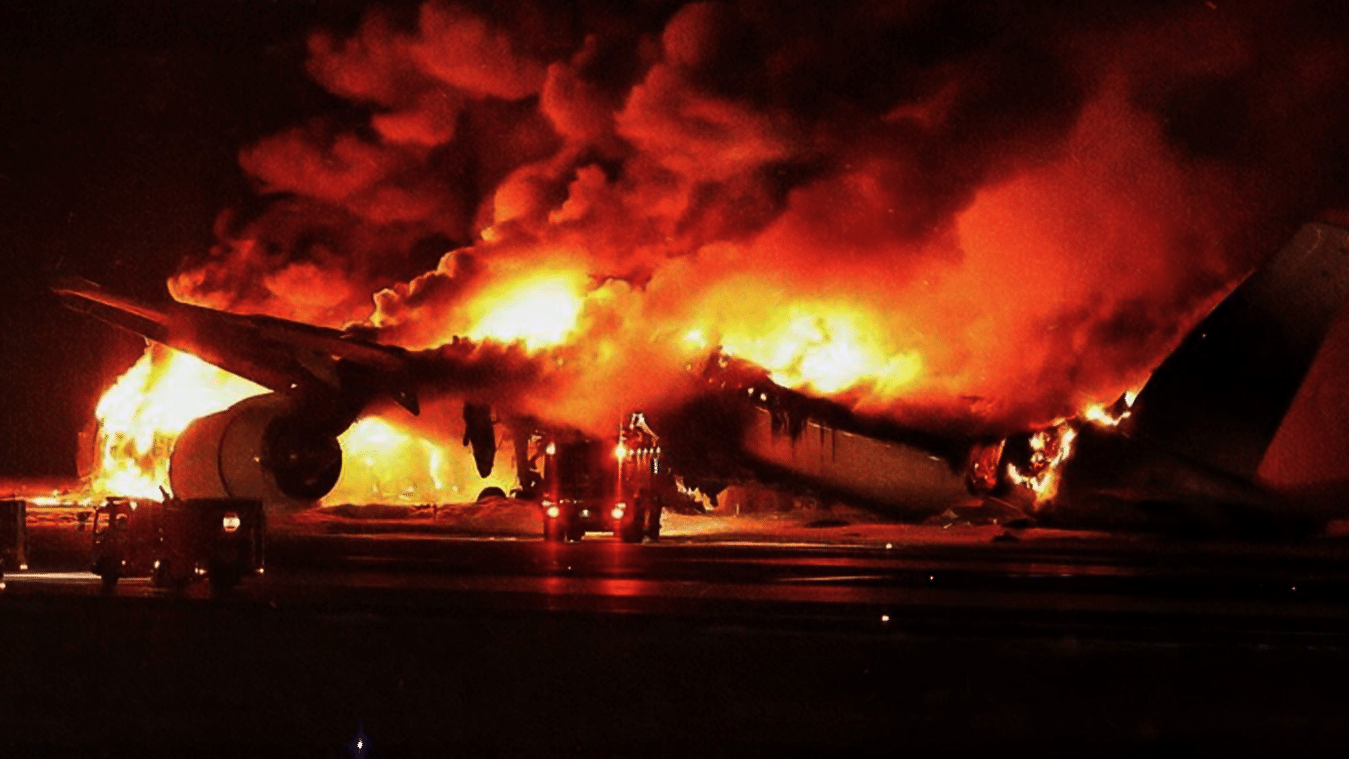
x=652, y=515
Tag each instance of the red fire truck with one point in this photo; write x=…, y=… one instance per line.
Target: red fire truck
x=585, y=484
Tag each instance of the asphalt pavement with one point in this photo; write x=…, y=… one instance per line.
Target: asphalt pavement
x=428, y=644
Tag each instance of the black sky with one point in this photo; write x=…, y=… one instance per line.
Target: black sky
x=119, y=133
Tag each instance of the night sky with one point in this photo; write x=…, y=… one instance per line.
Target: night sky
x=119, y=137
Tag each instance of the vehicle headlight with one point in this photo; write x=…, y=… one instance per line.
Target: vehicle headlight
x=553, y=512
x=619, y=509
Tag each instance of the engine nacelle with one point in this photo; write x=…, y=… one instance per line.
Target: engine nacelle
x=255, y=449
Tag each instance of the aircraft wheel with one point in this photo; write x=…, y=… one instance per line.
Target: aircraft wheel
x=492, y=491
x=106, y=569
x=653, y=521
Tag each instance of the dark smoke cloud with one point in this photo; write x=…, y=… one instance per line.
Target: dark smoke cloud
x=1036, y=200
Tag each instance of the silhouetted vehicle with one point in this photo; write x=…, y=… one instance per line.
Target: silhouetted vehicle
x=591, y=485
x=13, y=536
x=178, y=540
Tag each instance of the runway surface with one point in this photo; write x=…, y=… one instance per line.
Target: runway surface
x=436, y=645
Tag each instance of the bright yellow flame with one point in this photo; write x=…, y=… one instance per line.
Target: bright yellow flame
x=143, y=413
x=826, y=348
x=383, y=463
x=539, y=312
x=1050, y=449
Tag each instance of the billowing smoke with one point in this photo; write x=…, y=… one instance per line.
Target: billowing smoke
x=979, y=214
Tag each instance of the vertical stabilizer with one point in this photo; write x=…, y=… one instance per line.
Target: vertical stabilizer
x=1221, y=396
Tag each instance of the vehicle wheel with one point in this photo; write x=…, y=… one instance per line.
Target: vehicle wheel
x=553, y=531
x=631, y=532
x=106, y=569
x=223, y=577
x=491, y=492
x=165, y=577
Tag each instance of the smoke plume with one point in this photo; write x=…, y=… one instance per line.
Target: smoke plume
x=980, y=213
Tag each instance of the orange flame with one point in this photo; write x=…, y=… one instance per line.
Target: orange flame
x=143, y=413
x=541, y=311
x=1050, y=449
x=141, y=416
x=383, y=463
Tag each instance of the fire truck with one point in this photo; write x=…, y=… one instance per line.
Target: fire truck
x=178, y=540
x=588, y=484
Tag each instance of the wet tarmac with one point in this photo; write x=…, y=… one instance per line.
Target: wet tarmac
x=442, y=645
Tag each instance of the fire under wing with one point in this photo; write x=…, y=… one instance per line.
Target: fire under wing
x=283, y=356
x=281, y=447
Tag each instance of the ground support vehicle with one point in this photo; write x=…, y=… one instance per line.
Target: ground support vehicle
x=179, y=540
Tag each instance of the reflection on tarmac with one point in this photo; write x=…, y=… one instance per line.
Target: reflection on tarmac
x=438, y=645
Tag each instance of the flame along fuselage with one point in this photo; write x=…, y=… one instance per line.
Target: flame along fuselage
x=1190, y=449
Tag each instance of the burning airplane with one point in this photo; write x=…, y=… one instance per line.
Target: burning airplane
x=902, y=287
x=1187, y=449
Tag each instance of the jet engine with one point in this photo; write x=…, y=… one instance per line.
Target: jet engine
x=257, y=448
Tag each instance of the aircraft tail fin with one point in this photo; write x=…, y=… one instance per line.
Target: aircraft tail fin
x=1221, y=396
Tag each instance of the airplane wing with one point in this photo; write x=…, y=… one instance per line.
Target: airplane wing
x=284, y=356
